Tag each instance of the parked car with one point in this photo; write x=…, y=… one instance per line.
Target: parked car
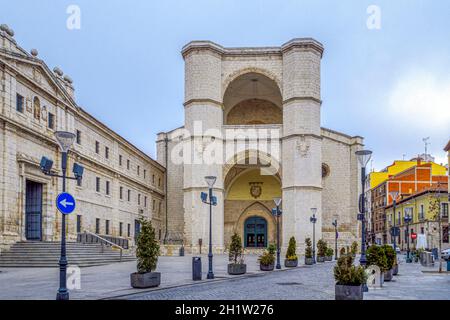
x=445, y=254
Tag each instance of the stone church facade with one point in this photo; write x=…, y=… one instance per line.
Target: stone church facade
x=120, y=182
x=252, y=119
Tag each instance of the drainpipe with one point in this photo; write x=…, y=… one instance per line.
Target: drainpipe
x=166, y=151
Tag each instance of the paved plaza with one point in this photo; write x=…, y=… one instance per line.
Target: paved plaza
x=305, y=282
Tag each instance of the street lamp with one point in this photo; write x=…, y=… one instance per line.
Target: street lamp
x=335, y=225
x=363, y=158
x=277, y=213
x=313, y=220
x=394, y=195
x=210, y=180
x=407, y=218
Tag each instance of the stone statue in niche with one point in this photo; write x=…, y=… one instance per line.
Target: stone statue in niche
x=44, y=113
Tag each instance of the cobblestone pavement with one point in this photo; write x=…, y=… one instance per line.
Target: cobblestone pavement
x=310, y=283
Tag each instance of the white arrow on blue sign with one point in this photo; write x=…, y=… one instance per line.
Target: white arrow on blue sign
x=65, y=203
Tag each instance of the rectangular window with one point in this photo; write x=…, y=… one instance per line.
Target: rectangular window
x=78, y=137
x=129, y=230
x=97, y=184
x=159, y=207
x=129, y=195
x=159, y=182
x=107, y=188
x=139, y=199
x=159, y=234
x=97, y=226
x=128, y=164
x=79, y=182
x=97, y=147
x=78, y=224
x=51, y=120
x=154, y=205
x=422, y=230
x=145, y=201
x=120, y=229
x=421, y=212
x=145, y=173
x=138, y=170
x=106, y=152
x=153, y=179
x=107, y=227
x=19, y=103
x=121, y=193
x=444, y=210
x=120, y=159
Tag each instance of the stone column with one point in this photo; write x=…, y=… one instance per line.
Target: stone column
x=301, y=140
x=203, y=122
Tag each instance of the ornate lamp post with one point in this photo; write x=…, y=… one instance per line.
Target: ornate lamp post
x=394, y=195
x=210, y=180
x=313, y=220
x=277, y=213
x=335, y=225
x=363, y=158
x=407, y=220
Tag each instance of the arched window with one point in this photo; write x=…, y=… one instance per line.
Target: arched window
x=37, y=108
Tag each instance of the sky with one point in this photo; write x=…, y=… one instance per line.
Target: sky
x=385, y=71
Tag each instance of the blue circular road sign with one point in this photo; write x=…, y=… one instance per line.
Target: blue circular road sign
x=65, y=203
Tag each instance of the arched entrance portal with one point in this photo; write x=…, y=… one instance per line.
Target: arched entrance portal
x=255, y=232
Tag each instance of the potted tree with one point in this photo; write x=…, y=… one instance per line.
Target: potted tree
x=329, y=254
x=267, y=259
x=349, y=279
x=147, y=253
x=321, y=250
x=354, y=248
x=375, y=256
x=309, y=260
x=291, y=255
x=389, y=252
x=235, y=257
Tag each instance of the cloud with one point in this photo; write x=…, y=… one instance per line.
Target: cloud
x=421, y=100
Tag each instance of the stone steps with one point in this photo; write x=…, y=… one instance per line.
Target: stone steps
x=46, y=254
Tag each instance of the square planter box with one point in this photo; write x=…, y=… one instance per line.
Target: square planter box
x=329, y=258
x=290, y=263
x=320, y=259
x=267, y=268
x=309, y=261
x=348, y=292
x=388, y=275
x=395, y=270
x=237, y=268
x=145, y=280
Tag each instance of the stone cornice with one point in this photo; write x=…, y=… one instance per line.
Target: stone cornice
x=306, y=98
x=203, y=101
x=296, y=135
x=314, y=188
x=207, y=45
x=303, y=43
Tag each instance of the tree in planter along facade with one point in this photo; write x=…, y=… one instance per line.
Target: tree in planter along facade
x=321, y=248
x=291, y=250
x=308, y=249
x=235, y=252
x=147, y=251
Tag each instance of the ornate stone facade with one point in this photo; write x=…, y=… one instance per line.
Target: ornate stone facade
x=270, y=93
x=120, y=182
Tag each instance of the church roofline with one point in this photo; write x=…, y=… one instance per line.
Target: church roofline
x=212, y=46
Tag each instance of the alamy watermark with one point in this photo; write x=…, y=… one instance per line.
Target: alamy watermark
x=374, y=19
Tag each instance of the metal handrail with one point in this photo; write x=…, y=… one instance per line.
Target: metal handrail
x=112, y=244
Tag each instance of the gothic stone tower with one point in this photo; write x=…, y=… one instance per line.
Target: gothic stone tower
x=268, y=89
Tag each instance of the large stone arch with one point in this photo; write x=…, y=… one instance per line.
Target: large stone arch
x=236, y=74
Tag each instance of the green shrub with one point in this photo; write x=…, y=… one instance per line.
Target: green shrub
x=291, y=250
x=375, y=255
x=147, y=250
x=235, y=250
x=354, y=249
x=321, y=248
x=268, y=257
x=308, y=249
x=391, y=256
x=329, y=252
x=345, y=273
